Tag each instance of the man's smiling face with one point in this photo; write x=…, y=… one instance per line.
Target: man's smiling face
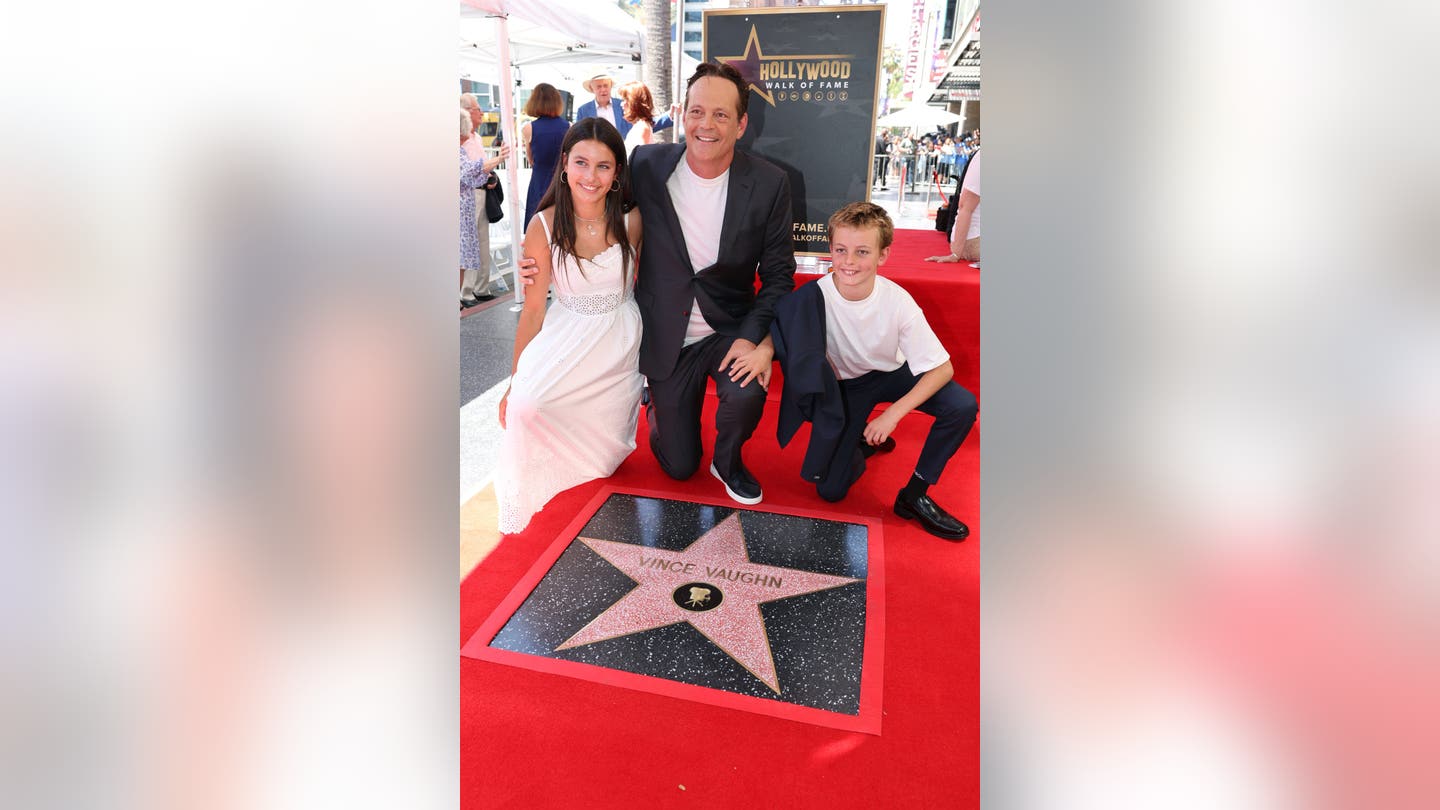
x=712, y=122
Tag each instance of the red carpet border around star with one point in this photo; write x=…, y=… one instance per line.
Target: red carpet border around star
x=868, y=717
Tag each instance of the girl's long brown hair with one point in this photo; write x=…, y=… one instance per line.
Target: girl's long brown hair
x=562, y=232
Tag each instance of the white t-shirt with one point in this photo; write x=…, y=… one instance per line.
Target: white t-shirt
x=700, y=207
x=878, y=333
x=972, y=184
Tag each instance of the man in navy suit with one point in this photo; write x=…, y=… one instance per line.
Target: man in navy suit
x=715, y=219
x=609, y=108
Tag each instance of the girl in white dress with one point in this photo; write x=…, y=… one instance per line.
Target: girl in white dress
x=572, y=409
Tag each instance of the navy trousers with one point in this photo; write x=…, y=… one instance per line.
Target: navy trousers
x=676, y=401
x=953, y=407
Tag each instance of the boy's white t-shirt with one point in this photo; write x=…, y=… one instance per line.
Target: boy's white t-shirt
x=700, y=207
x=878, y=333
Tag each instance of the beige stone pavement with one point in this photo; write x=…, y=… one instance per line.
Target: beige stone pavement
x=478, y=533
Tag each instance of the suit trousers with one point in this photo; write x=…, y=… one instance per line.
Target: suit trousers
x=676, y=403
x=953, y=407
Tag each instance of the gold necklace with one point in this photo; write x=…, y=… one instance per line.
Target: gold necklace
x=588, y=227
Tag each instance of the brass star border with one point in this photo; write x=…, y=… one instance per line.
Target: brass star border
x=737, y=627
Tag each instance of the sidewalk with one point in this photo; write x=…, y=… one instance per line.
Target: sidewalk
x=916, y=212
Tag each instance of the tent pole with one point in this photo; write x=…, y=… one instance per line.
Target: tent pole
x=512, y=166
x=677, y=77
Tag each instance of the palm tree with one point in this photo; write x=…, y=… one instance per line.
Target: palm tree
x=657, y=57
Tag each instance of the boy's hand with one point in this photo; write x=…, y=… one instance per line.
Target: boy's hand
x=525, y=270
x=880, y=428
x=746, y=362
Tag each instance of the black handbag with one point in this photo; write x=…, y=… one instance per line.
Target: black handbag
x=494, y=196
x=945, y=214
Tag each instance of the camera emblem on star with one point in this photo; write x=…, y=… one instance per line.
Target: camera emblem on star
x=698, y=597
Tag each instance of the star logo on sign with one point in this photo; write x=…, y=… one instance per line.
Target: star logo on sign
x=714, y=573
x=749, y=66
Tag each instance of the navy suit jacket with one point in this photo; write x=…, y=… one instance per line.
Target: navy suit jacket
x=755, y=237
x=588, y=110
x=810, y=391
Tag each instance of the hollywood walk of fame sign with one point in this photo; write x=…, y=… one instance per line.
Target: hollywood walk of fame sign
x=770, y=612
x=814, y=81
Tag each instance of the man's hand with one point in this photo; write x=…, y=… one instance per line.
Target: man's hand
x=498, y=159
x=745, y=361
x=950, y=258
x=880, y=428
x=526, y=269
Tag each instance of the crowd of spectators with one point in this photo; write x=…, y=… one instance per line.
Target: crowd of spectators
x=943, y=153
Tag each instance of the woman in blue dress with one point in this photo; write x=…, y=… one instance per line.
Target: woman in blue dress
x=542, y=142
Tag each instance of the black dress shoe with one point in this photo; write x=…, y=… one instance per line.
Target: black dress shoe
x=932, y=518
x=485, y=297
x=741, y=486
x=867, y=449
x=466, y=303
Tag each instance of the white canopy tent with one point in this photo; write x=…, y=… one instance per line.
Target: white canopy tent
x=540, y=54
x=921, y=116
x=581, y=25
x=562, y=42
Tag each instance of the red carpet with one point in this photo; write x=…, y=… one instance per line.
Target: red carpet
x=537, y=740
x=949, y=294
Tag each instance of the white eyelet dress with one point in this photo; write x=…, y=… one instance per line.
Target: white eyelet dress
x=574, y=401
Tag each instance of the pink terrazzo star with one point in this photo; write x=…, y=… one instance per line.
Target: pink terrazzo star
x=717, y=559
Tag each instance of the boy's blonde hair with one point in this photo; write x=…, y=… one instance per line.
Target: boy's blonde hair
x=864, y=215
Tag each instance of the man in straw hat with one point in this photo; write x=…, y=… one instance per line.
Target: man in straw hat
x=609, y=108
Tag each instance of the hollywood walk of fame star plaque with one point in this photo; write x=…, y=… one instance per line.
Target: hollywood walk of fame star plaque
x=776, y=612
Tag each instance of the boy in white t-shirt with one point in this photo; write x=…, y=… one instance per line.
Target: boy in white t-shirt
x=851, y=341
